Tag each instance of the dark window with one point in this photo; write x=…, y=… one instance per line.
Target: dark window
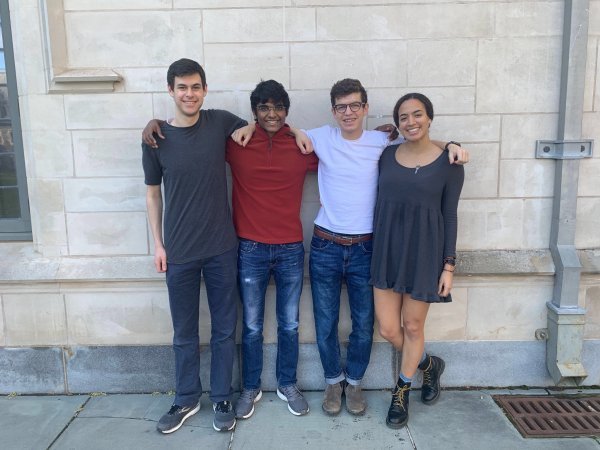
x=15, y=221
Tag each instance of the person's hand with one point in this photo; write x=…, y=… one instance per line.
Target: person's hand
x=389, y=128
x=148, y=134
x=457, y=154
x=303, y=142
x=445, y=283
x=160, y=259
x=242, y=135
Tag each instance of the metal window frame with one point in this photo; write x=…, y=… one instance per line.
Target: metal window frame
x=14, y=229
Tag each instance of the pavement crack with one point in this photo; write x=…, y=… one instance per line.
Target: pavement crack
x=144, y=419
x=73, y=417
x=412, y=441
x=230, y=446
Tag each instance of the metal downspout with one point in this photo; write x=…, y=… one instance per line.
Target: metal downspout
x=566, y=320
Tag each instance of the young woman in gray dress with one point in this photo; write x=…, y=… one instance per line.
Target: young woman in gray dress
x=414, y=241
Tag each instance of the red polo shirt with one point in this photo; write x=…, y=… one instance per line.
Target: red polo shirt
x=268, y=179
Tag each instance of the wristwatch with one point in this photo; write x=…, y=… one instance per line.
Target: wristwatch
x=451, y=142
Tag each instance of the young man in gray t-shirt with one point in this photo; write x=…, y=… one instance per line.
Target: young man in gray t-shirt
x=199, y=239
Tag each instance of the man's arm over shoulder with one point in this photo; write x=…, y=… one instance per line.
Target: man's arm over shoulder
x=230, y=121
x=316, y=136
x=232, y=147
x=152, y=128
x=303, y=142
x=242, y=135
x=456, y=154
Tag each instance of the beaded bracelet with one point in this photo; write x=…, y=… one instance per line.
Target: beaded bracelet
x=450, y=260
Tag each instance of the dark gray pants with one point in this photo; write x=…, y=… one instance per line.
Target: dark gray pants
x=183, y=282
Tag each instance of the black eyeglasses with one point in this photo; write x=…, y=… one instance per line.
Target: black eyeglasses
x=266, y=108
x=341, y=108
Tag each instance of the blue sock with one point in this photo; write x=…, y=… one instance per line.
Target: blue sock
x=404, y=378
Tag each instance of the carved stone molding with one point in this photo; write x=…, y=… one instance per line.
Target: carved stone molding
x=62, y=78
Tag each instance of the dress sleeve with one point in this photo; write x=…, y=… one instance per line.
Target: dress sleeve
x=450, y=198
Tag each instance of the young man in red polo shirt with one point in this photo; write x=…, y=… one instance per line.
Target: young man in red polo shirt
x=268, y=179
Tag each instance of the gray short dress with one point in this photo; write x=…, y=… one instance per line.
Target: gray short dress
x=415, y=225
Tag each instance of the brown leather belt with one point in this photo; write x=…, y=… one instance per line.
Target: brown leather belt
x=341, y=238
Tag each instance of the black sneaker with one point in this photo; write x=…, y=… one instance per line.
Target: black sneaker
x=224, y=416
x=432, y=368
x=173, y=420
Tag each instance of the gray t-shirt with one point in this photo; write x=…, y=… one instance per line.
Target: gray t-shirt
x=190, y=162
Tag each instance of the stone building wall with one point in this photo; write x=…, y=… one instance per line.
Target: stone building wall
x=81, y=308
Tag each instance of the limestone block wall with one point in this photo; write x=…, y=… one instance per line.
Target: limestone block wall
x=85, y=287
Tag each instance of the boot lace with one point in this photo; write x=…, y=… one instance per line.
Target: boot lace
x=398, y=396
x=427, y=373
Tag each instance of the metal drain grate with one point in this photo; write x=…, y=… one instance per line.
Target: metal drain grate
x=552, y=416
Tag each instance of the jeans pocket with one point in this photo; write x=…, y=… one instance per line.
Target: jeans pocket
x=246, y=246
x=318, y=243
x=367, y=246
x=293, y=246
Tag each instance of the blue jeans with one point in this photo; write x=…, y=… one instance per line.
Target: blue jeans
x=329, y=265
x=256, y=263
x=183, y=282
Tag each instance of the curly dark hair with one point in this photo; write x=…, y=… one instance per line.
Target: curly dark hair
x=345, y=87
x=269, y=90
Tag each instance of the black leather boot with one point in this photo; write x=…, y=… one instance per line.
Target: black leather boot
x=397, y=415
x=432, y=368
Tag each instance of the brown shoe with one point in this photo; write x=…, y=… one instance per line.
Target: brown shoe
x=332, y=400
x=355, y=400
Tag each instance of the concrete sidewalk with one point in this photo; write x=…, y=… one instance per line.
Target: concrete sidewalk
x=460, y=420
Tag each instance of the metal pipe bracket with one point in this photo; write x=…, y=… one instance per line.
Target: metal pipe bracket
x=567, y=149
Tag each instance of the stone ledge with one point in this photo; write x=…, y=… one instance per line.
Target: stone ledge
x=84, y=80
x=20, y=262
x=118, y=369
x=505, y=262
x=590, y=260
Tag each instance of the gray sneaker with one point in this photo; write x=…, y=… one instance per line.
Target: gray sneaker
x=297, y=404
x=355, y=400
x=332, y=399
x=172, y=420
x=224, y=416
x=245, y=404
